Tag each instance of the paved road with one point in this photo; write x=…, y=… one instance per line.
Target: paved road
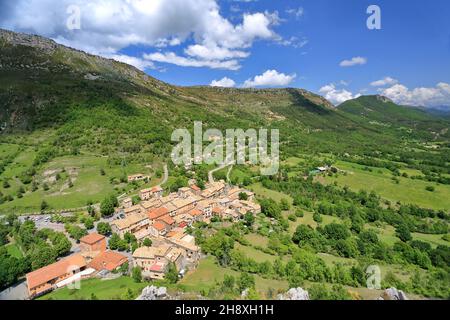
x=166, y=175
x=226, y=163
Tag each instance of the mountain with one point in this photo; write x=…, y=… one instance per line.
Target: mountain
x=381, y=111
x=76, y=102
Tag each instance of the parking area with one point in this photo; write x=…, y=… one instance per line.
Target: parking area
x=16, y=292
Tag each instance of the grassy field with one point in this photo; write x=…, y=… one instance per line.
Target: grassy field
x=209, y=272
x=14, y=250
x=82, y=170
x=257, y=240
x=259, y=190
x=102, y=289
x=255, y=254
x=433, y=239
x=379, y=180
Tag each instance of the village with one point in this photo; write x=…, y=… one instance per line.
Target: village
x=164, y=220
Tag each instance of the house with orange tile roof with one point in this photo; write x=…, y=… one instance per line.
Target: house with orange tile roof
x=158, y=229
x=108, y=260
x=93, y=242
x=168, y=220
x=157, y=213
x=197, y=214
x=196, y=190
x=46, y=279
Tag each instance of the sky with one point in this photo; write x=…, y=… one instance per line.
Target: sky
x=324, y=46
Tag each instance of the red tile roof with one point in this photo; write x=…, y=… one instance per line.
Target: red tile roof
x=92, y=238
x=217, y=210
x=195, y=188
x=158, y=225
x=195, y=212
x=167, y=219
x=156, y=267
x=183, y=224
x=108, y=260
x=55, y=270
x=157, y=213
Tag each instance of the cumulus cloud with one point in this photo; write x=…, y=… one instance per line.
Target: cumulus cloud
x=270, y=78
x=353, y=62
x=336, y=96
x=437, y=96
x=173, y=58
x=225, y=83
x=388, y=81
x=110, y=26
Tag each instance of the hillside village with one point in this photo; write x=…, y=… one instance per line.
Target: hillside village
x=162, y=219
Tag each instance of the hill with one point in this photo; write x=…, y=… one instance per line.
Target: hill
x=63, y=108
x=381, y=111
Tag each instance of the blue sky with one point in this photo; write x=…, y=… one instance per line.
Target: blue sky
x=262, y=43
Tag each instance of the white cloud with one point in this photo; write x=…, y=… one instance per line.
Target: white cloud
x=388, y=81
x=172, y=58
x=336, y=96
x=110, y=26
x=270, y=78
x=225, y=83
x=294, y=42
x=214, y=52
x=437, y=96
x=297, y=13
x=353, y=62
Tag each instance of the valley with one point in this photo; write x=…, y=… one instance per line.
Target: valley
x=362, y=184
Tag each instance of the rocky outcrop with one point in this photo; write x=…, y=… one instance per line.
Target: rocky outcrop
x=393, y=294
x=294, y=294
x=153, y=293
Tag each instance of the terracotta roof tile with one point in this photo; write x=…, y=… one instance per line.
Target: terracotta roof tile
x=92, y=238
x=55, y=270
x=157, y=213
x=108, y=260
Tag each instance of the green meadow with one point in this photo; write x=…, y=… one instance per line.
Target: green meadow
x=379, y=180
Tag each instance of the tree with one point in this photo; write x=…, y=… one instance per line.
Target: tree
x=114, y=242
x=147, y=242
x=246, y=281
x=136, y=274
x=172, y=274
x=44, y=206
x=76, y=232
x=228, y=283
x=107, y=207
x=270, y=208
x=284, y=205
x=335, y=231
x=61, y=244
x=402, y=231
x=249, y=219
x=303, y=234
x=42, y=255
x=317, y=217
x=89, y=223
x=104, y=228
x=243, y=196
